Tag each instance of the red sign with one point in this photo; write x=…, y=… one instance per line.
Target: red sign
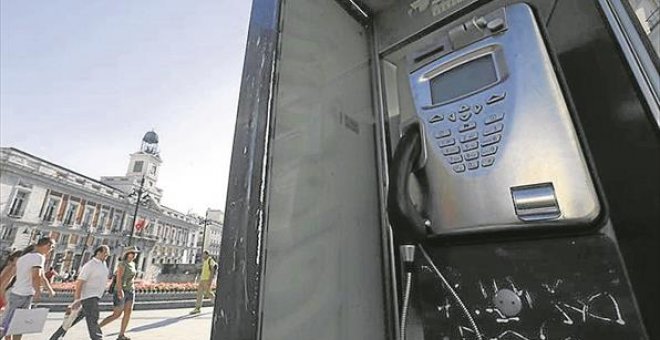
x=141, y=223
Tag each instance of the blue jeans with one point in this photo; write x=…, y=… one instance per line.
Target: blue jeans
x=90, y=311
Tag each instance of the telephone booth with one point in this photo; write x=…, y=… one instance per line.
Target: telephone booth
x=445, y=169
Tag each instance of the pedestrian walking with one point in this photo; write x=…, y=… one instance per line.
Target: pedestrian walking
x=123, y=297
x=7, y=275
x=89, y=290
x=209, y=268
x=29, y=278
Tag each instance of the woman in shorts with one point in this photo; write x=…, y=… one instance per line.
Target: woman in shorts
x=123, y=296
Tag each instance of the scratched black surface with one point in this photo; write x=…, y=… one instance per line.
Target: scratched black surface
x=570, y=289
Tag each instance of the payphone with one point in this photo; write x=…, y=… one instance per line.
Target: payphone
x=499, y=150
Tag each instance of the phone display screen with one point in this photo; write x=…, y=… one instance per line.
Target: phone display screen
x=463, y=79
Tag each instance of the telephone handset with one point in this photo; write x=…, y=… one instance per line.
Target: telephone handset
x=401, y=207
x=493, y=134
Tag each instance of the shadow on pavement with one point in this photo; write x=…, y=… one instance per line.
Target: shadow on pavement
x=161, y=323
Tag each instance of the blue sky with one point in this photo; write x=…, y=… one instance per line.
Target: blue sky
x=82, y=81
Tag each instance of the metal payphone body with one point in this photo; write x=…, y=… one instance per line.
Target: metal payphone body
x=500, y=149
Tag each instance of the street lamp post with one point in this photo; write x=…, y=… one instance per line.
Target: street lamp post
x=206, y=220
x=84, y=249
x=137, y=205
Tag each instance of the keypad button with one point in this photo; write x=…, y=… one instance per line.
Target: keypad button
x=477, y=109
x=451, y=150
x=452, y=117
x=437, y=118
x=459, y=168
x=491, y=140
x=464, y=108
x=465, y=116
x=473, y=165
x=498, y=127
x=488, y=161
x=468, y=137
x=472, y=155
x=455, y=159
x=470, y=146
x=496, y=117
x=495, y=98
x=442, y=134
x=467, y=126
x=489, y=150
x=447, y=142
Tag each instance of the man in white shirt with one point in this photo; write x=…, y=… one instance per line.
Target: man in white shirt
x=29, y=277
x=90, y=286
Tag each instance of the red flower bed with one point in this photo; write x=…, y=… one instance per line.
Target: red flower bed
x=142, y=287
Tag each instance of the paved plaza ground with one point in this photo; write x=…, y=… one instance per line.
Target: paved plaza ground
x=167, y=324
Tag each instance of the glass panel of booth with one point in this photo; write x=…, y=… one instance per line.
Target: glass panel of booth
x=323, y=267
x=647, y=13
x=636, y=26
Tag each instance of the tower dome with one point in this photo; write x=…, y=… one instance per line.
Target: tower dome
x=150, y=143
x=150, y=137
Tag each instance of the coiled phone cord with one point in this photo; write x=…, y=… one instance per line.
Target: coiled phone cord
x=452, y=291
x=406, y=305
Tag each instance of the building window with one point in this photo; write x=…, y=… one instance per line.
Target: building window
x=51, y=207
x=102, y=219
x=87, y=219
x=153, y=169
x=116, y=222
x=18, y=204
x=6, y=232
x=70, y=214
x=137, y=166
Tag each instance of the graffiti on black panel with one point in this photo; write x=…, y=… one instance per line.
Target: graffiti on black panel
x=505, y=309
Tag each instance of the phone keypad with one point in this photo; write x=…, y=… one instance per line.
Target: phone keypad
x=469, y=136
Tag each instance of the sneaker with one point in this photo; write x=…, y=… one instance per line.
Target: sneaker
x=194, y=311
x=123, y=337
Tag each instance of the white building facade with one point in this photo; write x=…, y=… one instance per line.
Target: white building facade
x=39, y=198
x=212, y=232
